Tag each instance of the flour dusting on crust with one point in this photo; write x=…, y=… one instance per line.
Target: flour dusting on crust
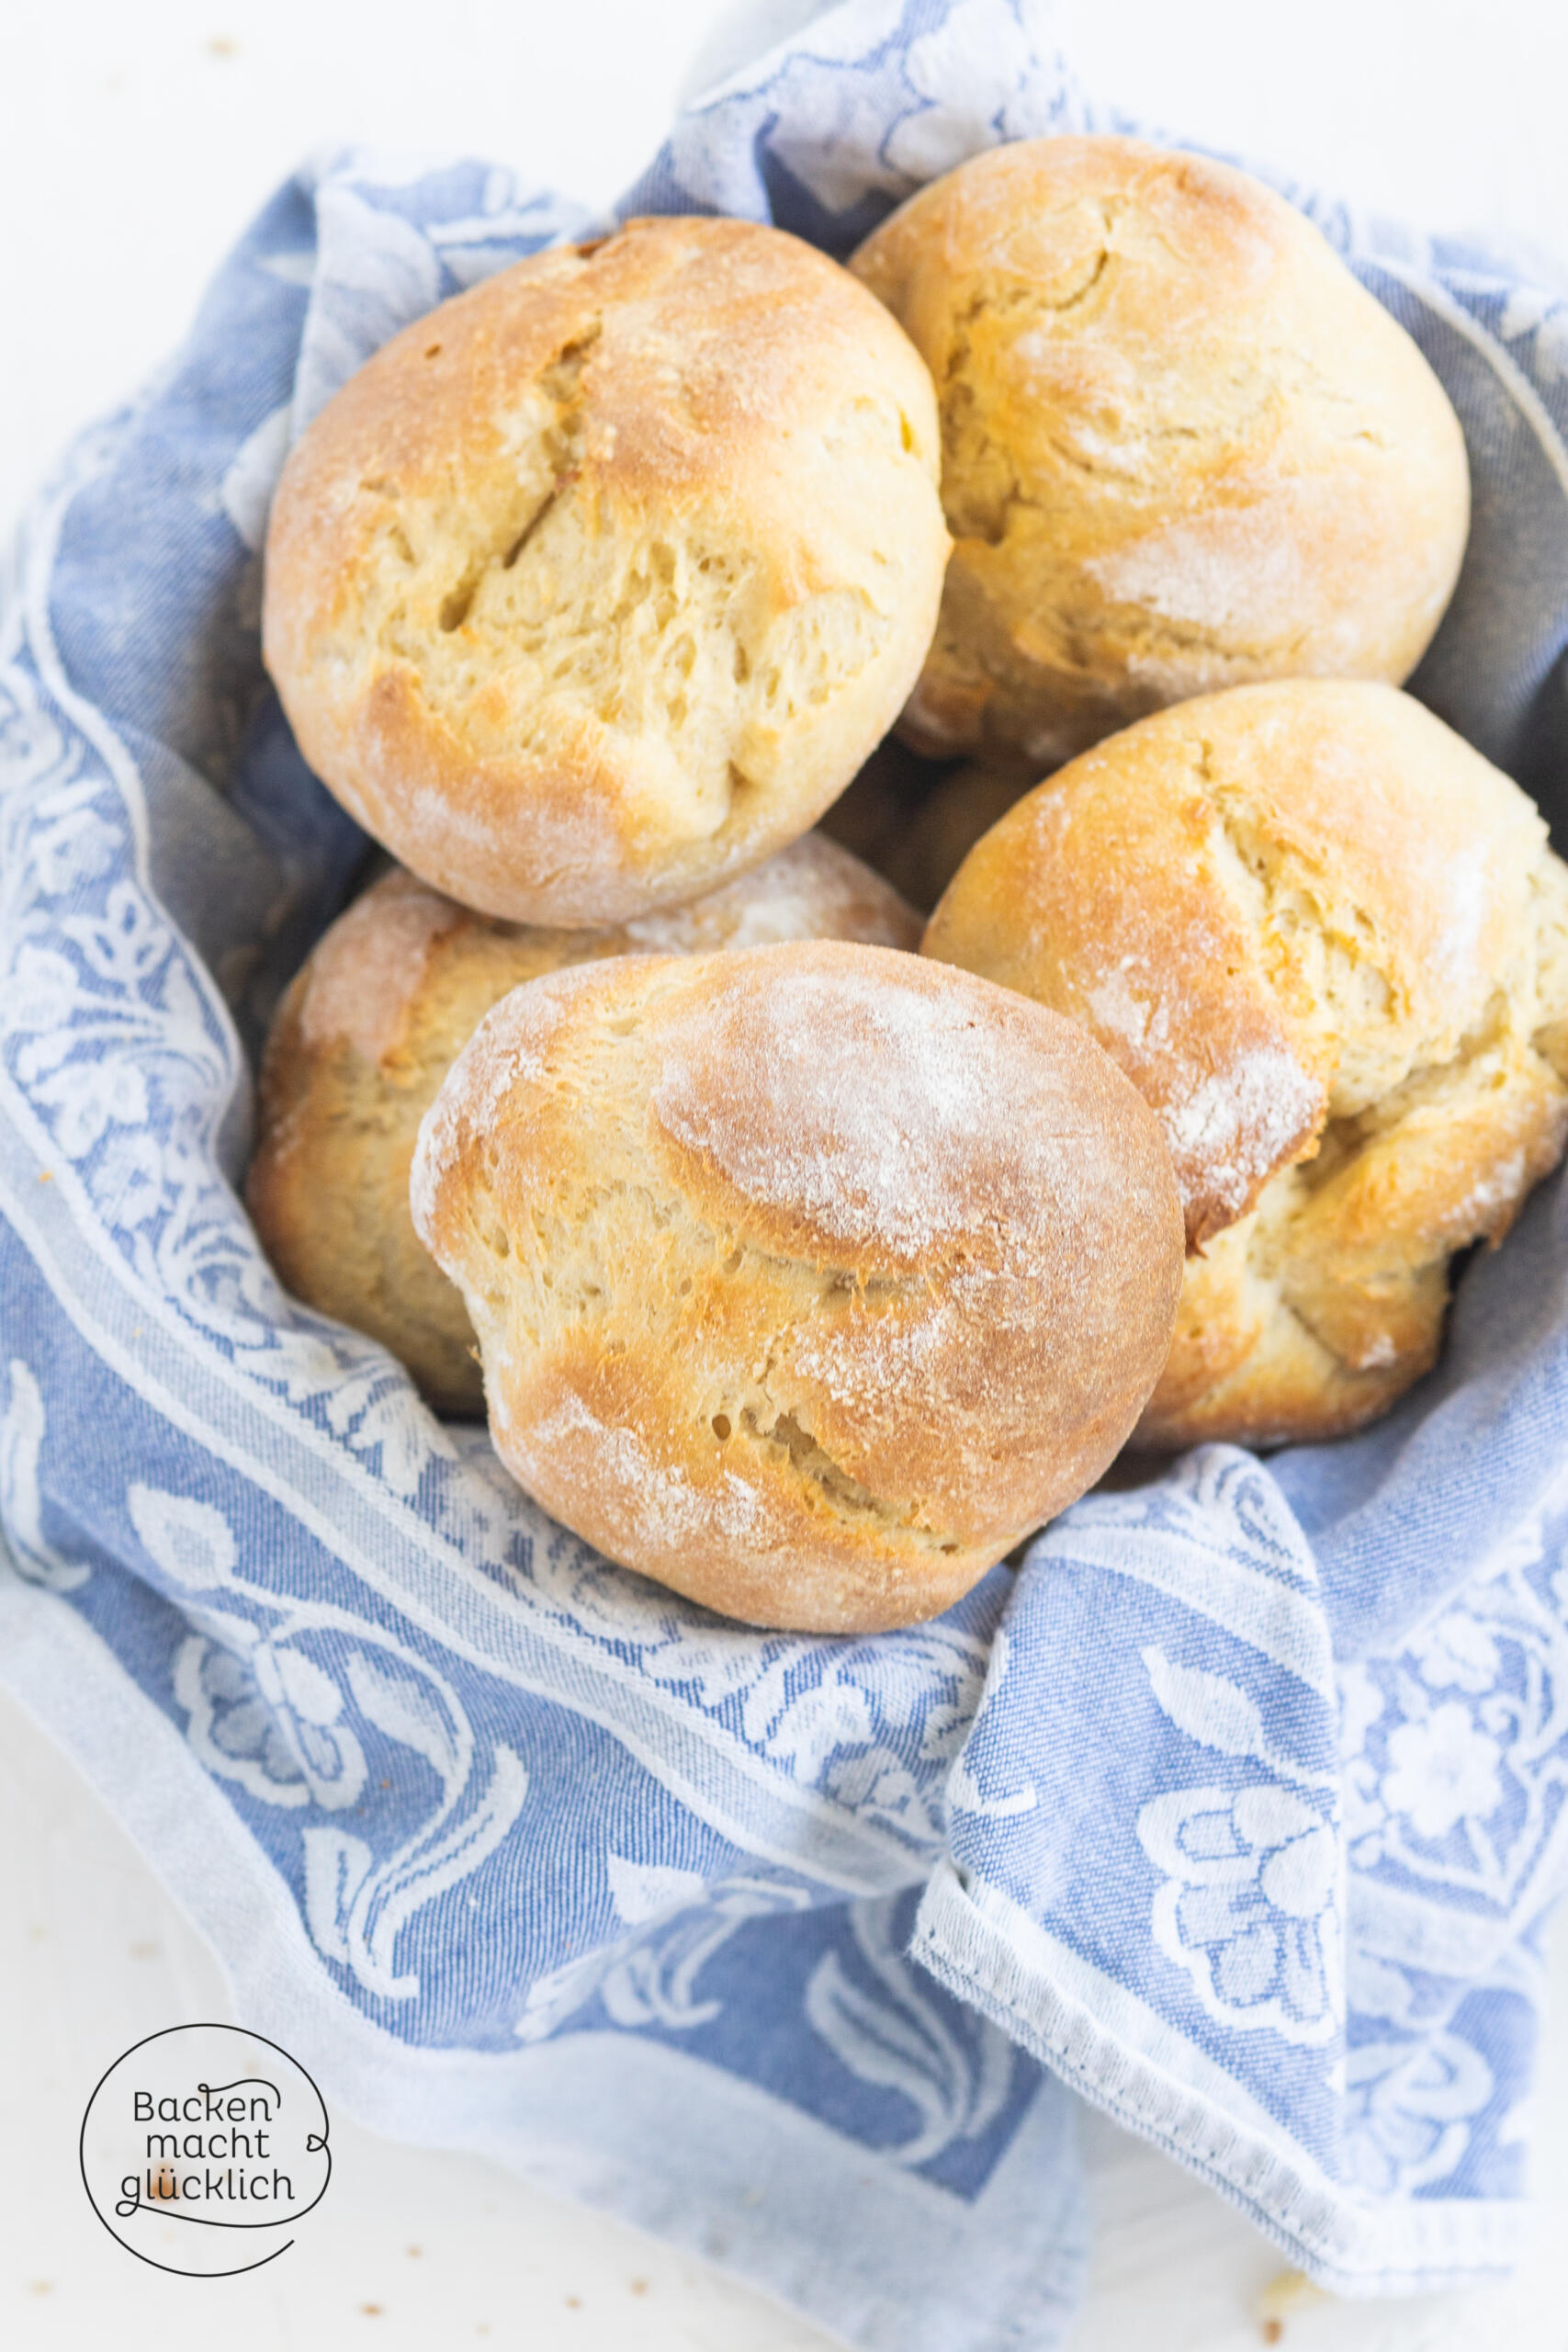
x=511, y=1046
x=890, y=1112
x=368, y=967
x=635, y=1487
x=1237, y=570
x=814, y=890
x=1233, y=1127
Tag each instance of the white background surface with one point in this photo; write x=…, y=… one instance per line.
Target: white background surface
x=135, y=141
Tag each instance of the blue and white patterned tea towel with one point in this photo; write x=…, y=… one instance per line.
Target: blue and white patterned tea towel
x=1236, y=1812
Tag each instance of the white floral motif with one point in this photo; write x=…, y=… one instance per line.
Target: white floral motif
x=115, y=1039
x=42, y=988
x=267, y=1716
x=1362, y=1703
x=1456, y=1753
x=357, y=1908
x=125, y=1182
x=873, y=134
x=1443, y=1771
x=190, y=1540
x=21, y=1504
x=826, y=1715
x=1410, y=2112
x=1250, y=1904
x=266, y=1713
x=1222, y=1499
x=90, y=1096
x=878, y=1785
x=104, y=1028
x=679, y=1921
x=899, y=2038
x=1456, y=1652
x=34, y=751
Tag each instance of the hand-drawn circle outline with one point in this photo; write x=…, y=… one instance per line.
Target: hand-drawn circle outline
x=313, y=2141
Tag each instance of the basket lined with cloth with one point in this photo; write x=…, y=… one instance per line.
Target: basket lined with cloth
x=1237, y=1810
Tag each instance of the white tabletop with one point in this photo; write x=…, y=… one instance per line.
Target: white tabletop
x=134, y=144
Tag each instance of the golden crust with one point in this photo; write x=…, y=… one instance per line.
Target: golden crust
x=373, y=1022
x=1324, y=939
x=1182, y=447
x=597, y=584
x=807, y=1279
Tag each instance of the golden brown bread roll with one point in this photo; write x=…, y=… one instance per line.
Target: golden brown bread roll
x=807, y=1279
x=371, y=1024
x=1182, y=447
x=594, y=586
x=1329, y=945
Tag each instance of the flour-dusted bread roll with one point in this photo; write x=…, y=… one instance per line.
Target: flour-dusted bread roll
x=1182, y=447
x=1329, y=945
x=807, y=1279
x=594, y=586
x=371, y=1024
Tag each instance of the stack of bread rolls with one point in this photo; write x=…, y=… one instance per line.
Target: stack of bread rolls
x=801, y=1261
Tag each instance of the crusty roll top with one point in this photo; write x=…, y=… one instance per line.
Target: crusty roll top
x=1273, y=907
x=809, y=1278
x=597, y=583
x=1329, y=944
x=1184, y=448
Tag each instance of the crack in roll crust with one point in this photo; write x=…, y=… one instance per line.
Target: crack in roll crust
x=1328, y=942
x=374, y=1021
x=595, y=585
x=807, y=1279
x=1184, y=448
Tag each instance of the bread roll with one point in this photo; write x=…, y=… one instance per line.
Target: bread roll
x=1329, y=945
x=368, y=1030
x=594, y=586
x=1182, y=447
x=808, y=1279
